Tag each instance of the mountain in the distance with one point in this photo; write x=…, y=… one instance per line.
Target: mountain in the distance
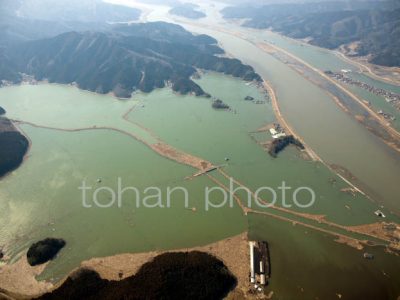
x=187, y=10
x=24, y=20
x=89, y=11
x=373, y=26
x=141, y=56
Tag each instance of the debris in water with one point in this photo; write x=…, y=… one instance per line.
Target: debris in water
x=368, y=255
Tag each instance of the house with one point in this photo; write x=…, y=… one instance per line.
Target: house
x=279, y=135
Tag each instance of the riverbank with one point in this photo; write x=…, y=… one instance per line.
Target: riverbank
x=377, y=122
x=272, y=48
x=381, y=120
x=284, y=123
x=385, y=74
x=389, y=75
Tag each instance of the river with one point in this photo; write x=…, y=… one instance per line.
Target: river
x=335, y=136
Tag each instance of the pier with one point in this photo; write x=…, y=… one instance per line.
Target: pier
x=260, y=270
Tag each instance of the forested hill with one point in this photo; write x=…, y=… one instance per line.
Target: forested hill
x=13, y=146
x=140, y=56
x=373, y=25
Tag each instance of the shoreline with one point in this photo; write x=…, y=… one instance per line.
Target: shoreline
x=108, y=265
x=385, y=125
x=266, y=85
x=391, y=131
x=161, y=148
x=42, y=82
x=368, y=67
x=311, y=153
x=233, y=251
x=17, y=128
x=275, y=106
x=356, y=61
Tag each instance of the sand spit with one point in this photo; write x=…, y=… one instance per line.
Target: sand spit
x=19, y=279
x=285, y=124
x=160, y=147
x=181, y=157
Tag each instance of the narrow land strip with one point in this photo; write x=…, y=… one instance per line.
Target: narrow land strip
x=393, y=132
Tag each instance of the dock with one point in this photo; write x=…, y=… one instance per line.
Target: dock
x=260, y=265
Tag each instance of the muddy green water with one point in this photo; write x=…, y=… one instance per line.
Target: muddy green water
x=320, y=58
x=310, y=265
x=215, y=135
x=67, y=107
x=335, y=136
x=42, y=199
x=324, y=60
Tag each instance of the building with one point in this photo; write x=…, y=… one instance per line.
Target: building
x=259, y=262
x=279, y=135
x=273, y=131
x=275, y=134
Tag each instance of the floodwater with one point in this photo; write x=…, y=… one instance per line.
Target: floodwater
x=41, y=198
x=309, y=265
x=336, y=136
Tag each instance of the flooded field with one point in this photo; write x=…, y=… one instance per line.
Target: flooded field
x=102, y=141
x=43, y=197
x=305, y=264
x=337, y=137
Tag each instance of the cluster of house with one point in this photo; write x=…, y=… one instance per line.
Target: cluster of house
x=390, y=97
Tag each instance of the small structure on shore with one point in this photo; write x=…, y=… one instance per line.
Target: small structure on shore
x=276, y=134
